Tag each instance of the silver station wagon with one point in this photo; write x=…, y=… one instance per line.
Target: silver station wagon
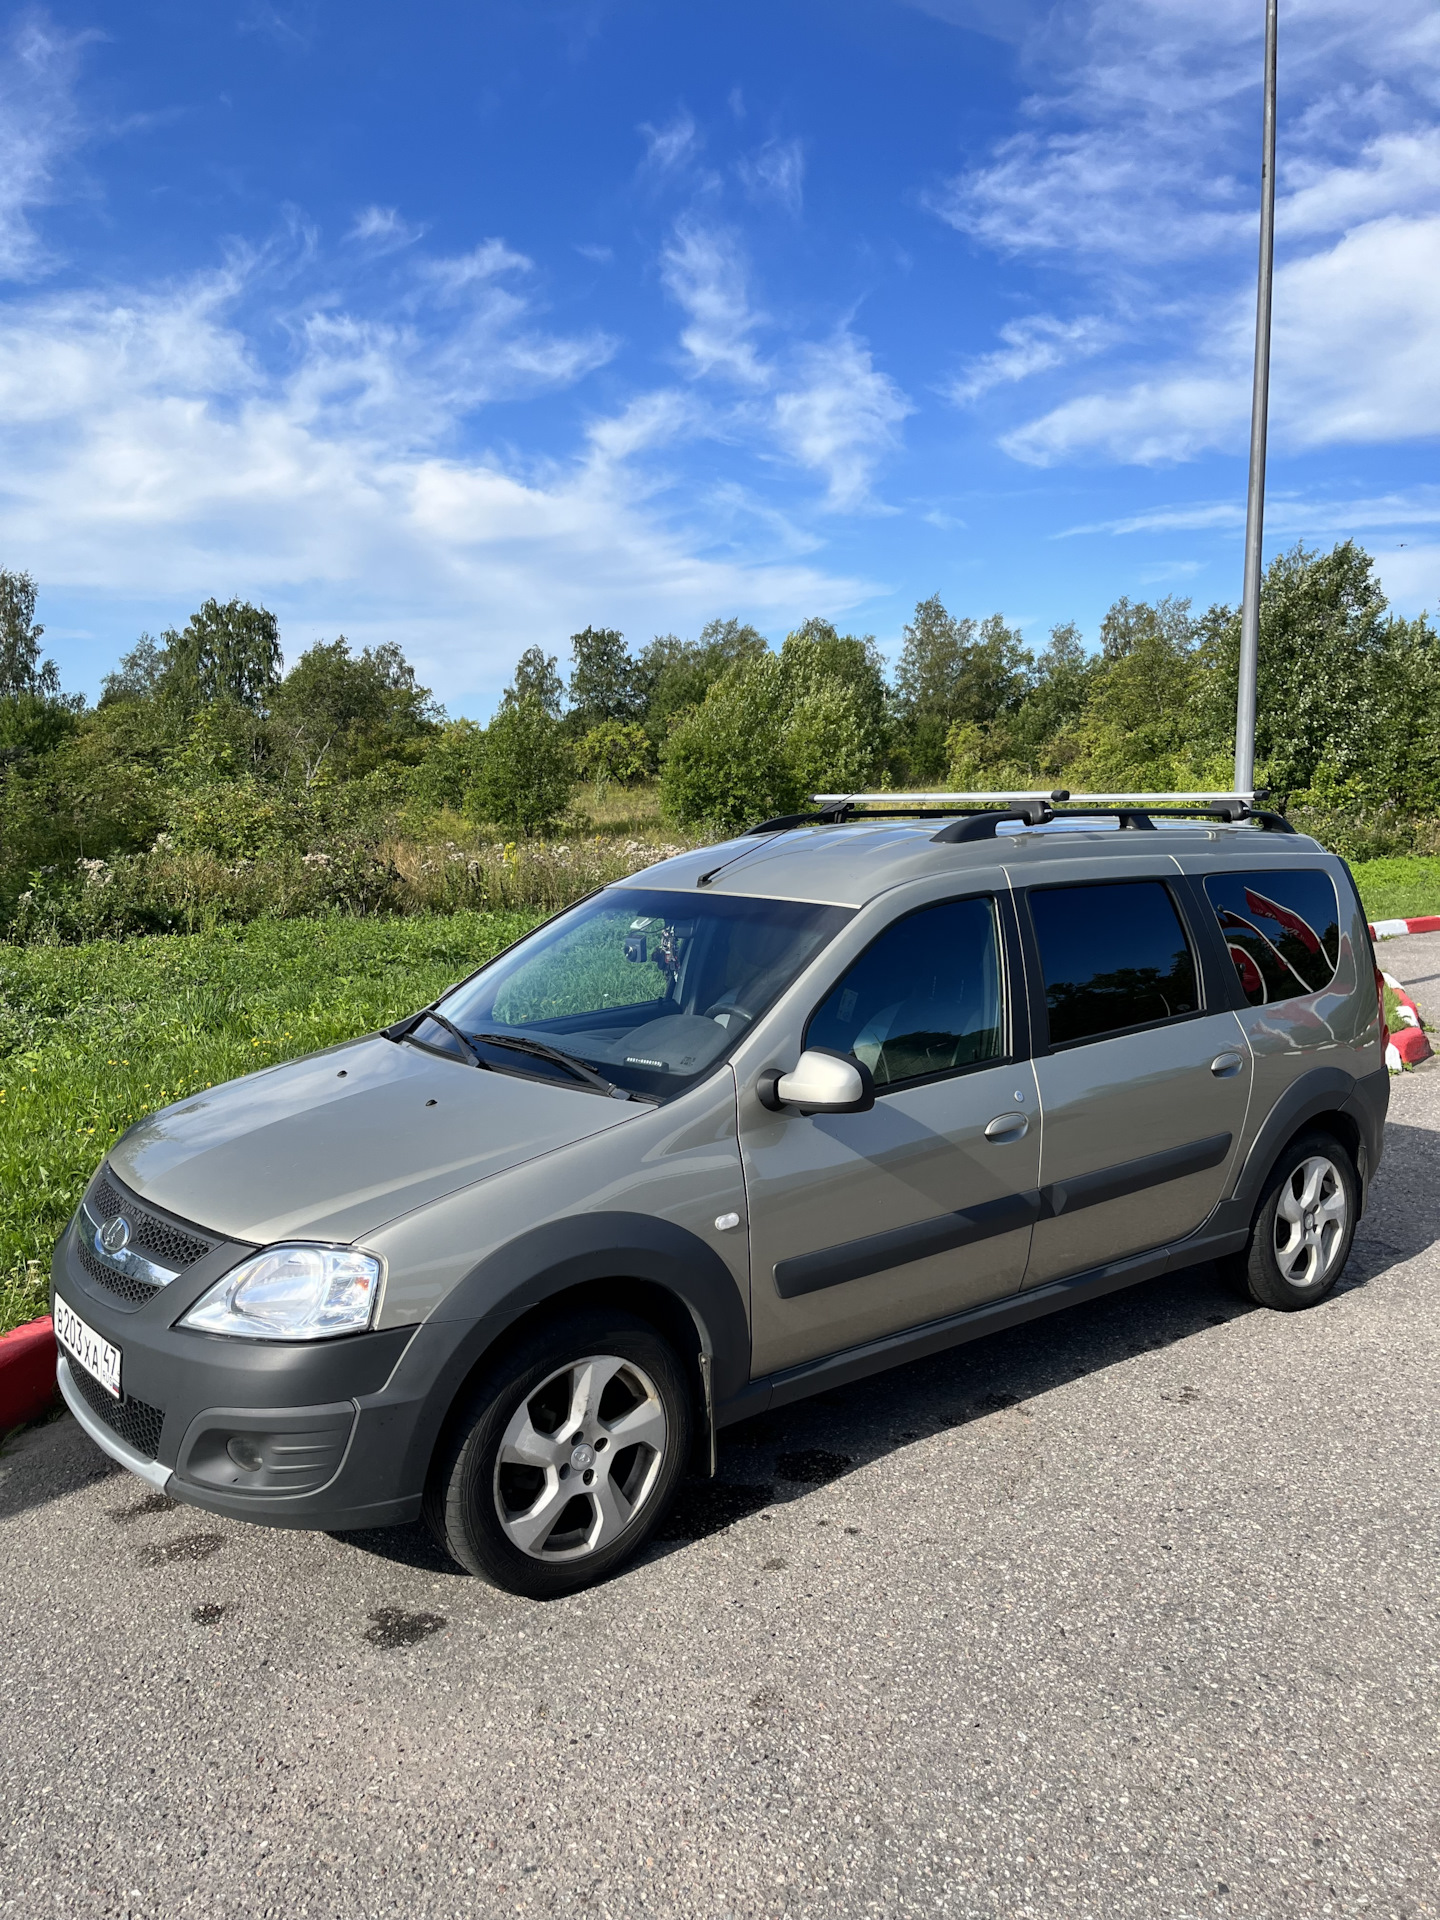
x=854, y=1087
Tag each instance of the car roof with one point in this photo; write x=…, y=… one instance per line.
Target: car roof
x=850, y=863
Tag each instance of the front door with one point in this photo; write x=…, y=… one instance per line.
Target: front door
x=865, y=1223
x=1143, y=1090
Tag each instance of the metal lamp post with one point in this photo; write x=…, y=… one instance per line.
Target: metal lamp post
x=1259, y=406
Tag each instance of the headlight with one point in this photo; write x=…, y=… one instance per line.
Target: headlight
x=291, y=1293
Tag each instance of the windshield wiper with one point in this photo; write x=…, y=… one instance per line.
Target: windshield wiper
x=587, y=1075
x=405, y=1030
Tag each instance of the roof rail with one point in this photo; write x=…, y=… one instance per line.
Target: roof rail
x=982, y=811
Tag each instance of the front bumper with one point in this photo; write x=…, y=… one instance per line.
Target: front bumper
x=313, y=1434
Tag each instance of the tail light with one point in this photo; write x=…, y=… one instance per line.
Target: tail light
x=1380, y=996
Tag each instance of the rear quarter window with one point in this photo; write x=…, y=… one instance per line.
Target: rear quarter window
x=1282, y=928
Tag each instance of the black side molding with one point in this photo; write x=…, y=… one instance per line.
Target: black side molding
x=995, y=1316
x=1132, y=1176
x=877, y=1252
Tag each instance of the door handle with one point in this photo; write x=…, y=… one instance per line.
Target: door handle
x=1008, y=1126
x=1225, y=1065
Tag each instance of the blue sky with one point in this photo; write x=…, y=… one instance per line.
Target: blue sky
x=467, y=325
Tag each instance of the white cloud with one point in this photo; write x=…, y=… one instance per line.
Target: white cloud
x=39, y=127
x=147, y=452
x=705, y=271
x=1141, y=157
x=1395, y=173
x=670, y=146
x=382, y=230
x=1284, y=514
x=840, y=417
x=483, y=264
x=1355, y=358
x=1033, y=345
x=826, y=405
x=776, y=172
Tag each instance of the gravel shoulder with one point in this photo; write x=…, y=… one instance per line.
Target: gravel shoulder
x=1129, y=1613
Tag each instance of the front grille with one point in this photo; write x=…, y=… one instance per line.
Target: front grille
x=172, y=1246
x=127, y=1287
x=137, y=1424
x=151, y=1235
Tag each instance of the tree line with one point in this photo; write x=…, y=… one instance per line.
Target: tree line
x=203, y=739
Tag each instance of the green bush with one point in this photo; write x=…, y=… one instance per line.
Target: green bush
x=758, y=745
x=617, y=752
x=526, y=773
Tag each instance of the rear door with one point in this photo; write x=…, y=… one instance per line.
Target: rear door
x=1143, y=1085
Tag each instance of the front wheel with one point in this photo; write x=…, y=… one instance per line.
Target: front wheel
x=1304, y=1226
x=565, y=1457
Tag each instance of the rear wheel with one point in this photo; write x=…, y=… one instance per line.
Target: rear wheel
x=1304, y=1225
x=565, y=1457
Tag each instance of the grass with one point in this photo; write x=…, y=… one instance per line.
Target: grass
x=94, y=1036
x=1400, y=889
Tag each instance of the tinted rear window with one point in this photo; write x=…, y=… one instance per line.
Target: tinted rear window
x=1113, y=956
x=1282, y=929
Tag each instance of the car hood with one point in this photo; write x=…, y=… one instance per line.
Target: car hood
x=329, y=1147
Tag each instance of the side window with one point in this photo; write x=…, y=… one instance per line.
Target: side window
x=1113, y=956
x=1282, y=929
x=925, y=998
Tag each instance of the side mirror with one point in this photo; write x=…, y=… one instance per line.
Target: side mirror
x=821, y=1082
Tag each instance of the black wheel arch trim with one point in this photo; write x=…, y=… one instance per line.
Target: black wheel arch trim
x=1322, y=1092
x=557, y=1258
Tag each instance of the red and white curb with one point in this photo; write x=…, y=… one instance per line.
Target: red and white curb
x=1409, y=1046
x=1387, y=929
x=27, y=1372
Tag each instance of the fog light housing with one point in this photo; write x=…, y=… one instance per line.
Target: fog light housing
x=245, y=1451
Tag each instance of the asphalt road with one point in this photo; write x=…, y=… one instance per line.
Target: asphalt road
x=1130, y=1613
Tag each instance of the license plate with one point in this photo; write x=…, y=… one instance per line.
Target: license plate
x=82, y=1343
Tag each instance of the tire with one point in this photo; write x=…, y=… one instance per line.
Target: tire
x=565, y=1455
x=1304, y=1226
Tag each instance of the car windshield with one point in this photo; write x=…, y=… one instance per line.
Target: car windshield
x=649, y=990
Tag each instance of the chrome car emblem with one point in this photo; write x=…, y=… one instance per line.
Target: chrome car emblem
x=115, y=1234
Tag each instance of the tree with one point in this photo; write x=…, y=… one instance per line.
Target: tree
x=526, y=773
x=758, y=746
x=536, y=679
x=616, y=751
x=140, y=675
x=21, y=669
x=950, y=671
x=603, y=679
x=358, y=709
x=229, y=652
x=449, y=773
x=1347, y=693
x=815, y=654
x=673, y=675
x=1138, y=728
x=1042, y=733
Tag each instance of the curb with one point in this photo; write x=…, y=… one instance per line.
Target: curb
x=27, y=1372
x=1387, y=929
x=1409, y=1046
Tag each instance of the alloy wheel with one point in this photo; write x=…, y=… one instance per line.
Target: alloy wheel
x=1311, y=1217
x=579, y=1458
